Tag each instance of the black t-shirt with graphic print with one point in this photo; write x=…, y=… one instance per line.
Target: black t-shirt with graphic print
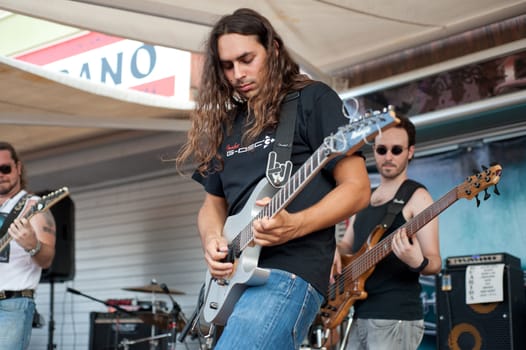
x=319, y=113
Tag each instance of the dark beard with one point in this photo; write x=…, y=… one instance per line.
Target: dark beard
x=8, y=190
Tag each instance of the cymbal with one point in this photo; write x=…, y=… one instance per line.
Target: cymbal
x=152, y=288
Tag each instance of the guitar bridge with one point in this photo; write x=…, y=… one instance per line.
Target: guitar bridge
x=221, y=281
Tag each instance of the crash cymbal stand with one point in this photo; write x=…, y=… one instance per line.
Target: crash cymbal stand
x=152, y=338
x=177, y=316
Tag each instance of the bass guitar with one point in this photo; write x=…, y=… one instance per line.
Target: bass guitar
x=40, y=206
x=349, y=286
x=222, y=294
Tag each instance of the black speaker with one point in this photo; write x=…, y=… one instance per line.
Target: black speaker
x=116, y=330
x=483, y=326
x=63, y=267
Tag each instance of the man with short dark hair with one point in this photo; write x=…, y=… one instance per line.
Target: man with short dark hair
x=391, y=317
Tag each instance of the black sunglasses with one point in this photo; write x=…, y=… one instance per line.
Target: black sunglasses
x=5, y=169
x=395, y=150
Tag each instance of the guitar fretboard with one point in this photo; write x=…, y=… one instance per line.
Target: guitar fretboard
x=285, y=194
x=380, y=250
x=345, y=141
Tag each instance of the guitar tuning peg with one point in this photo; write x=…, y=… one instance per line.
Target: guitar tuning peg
x=484, y=167
x=478, y=200
x=496, y=190
x=486, y=194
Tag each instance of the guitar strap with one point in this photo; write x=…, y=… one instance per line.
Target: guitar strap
x=279, y=166
x=13, y=214
x=405, y=191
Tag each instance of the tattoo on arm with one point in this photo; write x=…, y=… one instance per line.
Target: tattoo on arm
x=48, y=229
x=49, y=226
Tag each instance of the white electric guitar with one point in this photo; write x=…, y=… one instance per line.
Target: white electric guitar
x=222, y=294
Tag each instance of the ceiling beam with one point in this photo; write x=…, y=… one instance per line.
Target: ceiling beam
x=153, y=124
x=456, y=46
x=436, y=68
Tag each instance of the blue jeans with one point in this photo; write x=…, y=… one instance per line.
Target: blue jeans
x=16, y=320
x=275, y=315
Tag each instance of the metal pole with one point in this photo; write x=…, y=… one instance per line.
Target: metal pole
x=51, y=327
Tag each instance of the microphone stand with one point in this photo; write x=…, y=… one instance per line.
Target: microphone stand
x=176, y=315
x=117, y=307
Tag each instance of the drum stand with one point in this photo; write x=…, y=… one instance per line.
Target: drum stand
x=125, y=343
x=176, y=317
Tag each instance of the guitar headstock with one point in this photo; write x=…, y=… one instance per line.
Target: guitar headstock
x=479, y=182
x=349, y=138
x=48, y=201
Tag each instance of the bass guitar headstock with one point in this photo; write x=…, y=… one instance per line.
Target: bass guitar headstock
x=479, y=182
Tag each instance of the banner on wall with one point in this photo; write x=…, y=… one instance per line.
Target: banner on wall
x=118, y=62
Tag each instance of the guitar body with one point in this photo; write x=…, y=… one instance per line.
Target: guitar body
x=348, y=290
x=222, y=295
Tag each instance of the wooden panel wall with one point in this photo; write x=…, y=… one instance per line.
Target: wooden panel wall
x=126, y=235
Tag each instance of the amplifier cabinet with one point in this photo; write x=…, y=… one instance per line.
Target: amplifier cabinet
x=483, y=326
x=112, y=330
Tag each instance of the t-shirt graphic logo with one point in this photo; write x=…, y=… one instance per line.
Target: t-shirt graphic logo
x=268, y=141
x=278, y=173
x=231, y=150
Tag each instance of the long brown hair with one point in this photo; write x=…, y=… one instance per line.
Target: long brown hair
x=217, y=98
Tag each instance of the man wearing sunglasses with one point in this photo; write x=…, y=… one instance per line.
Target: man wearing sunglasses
x=30, y=248
x=391, y=317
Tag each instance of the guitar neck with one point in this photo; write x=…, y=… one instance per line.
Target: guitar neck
x=346, y=140
x=296, y=183
x=379, y=251
x=285, y=194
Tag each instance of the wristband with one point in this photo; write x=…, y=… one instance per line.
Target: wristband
x=421, y=267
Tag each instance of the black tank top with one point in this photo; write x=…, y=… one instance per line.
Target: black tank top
x=393, y=290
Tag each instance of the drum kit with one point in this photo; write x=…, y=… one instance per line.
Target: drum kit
x=158, y=318
x=165, y=323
